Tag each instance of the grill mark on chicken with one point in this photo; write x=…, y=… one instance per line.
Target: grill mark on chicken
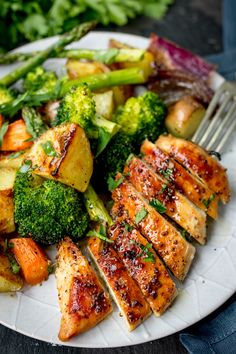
x=195, y=190
x=178, y=207
x=176, y=252
x=152, y=277
x=124, y=289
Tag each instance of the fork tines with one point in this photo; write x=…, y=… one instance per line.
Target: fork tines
x=219, y=121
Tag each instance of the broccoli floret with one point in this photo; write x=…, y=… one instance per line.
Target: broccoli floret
x=5, y=95
x=47, y=210
x=40, y=80
x=112, y=159
x=78, y=106
x=142, y=117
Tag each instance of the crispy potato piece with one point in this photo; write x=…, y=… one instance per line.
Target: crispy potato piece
x=184, y=117
x=8, y=280
x=7, y=178
x=72, y=163
x=77, y=69
x=104, y=103
x=11, y=163
x=82, y=300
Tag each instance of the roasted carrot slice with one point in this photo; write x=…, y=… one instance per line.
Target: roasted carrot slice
x=31, y=258
x=16, y=137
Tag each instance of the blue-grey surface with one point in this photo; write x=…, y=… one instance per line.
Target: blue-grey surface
x=195, y=24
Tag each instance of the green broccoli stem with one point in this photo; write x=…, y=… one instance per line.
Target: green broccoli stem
x=95, y=207
x=94, y=82
x=39, y=58
x=107, y=56
x=106, y=80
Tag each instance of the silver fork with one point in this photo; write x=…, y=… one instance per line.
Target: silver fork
x=219, y=121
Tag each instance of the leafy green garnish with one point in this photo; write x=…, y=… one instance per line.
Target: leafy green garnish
x=97, y=234
x=141, y=214
x=146, y=254
x=3, y=131
x=155, y=203
x=49, y=150
x=113, y=184
x=128, y=227
x=209, y=200
x=26, y=167
x=13, y=263
x=167, y=173
x=51, y=268
x=163, y=187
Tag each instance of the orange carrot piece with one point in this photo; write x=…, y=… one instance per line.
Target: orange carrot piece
x=31, y=258
x=16, y=136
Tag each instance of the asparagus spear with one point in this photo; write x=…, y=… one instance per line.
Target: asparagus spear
x=94, y=82
x=54, y=49
x=108, y=56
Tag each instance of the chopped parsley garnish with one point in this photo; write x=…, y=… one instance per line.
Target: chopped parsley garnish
x=167, y=173
x=51, y=268
x=140, y=215
x=14, y=155
x=155, y=203
x=146, y=254
x=101, y=234
x=49, y=149
x=3, y=131
x=113, y=184
x=13, y=263
x=163, y=187
x=128, y=227
x=209, y=200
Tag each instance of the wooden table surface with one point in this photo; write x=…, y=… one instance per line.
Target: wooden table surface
x=195, y=24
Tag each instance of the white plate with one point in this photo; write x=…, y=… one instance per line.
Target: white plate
x=210, y=282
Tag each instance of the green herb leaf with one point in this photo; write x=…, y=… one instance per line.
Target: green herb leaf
x=155, y=203
x=141, y=215
x=113, y=184
x=49, y=149
x=94, y=233
x=14, y=155
x=167, y=173
x=106, y=56
x=208, y=201
x=51, y=268
x=3, y=131
x=163, y=187
x=128, y=227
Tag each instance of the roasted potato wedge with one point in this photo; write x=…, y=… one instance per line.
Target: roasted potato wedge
x=104, y=103
x=69, y=159
x=76, y=69
x=13, y=163
x=184, y=117
x=7, y=178
x=8, y=280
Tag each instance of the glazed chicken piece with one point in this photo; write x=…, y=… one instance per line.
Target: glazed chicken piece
x=82, y=300
x=198, y=162
x=144, y=266
x=123, y=288
x=175, y=251
x=166, y=198
x=176, y=175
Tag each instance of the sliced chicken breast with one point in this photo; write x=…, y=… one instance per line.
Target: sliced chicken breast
x=82, y=299
x=194, y=189
x=176, y=252
x=166, y=198
x=198, y=162
x=126, y=293
x=144, y=266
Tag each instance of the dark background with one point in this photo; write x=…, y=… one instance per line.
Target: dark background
x=194, y=24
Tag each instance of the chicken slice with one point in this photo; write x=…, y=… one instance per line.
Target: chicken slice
x=166, y=198
x=144, y=266
x=82, y=300
x=176, y=252
x=198, y=162
x=123, y=288
x=191, y=187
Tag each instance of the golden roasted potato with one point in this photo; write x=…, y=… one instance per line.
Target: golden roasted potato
x=7, y=178
x=63, y=154
x=184, y=117
x=14, y=163
x=121, y=94
x=8, y=280
x=77, y=69
x=104, y=103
